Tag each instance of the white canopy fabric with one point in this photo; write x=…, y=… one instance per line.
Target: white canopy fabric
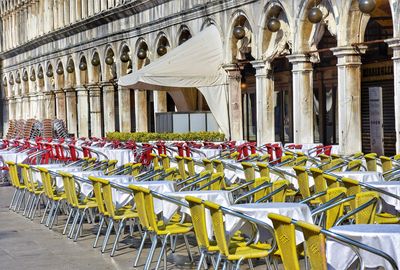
x=195, y=63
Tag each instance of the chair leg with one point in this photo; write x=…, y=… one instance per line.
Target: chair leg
x=22, y=198
x=164, y=243
x=13, y=199
x=55, y=215
x=45, y=211
x=140, y=249
x=50, y=215
x=188, y=248
x=151, y=253
x=224, y=265
x=119, y=232
x=68, y=219
x=202, y=261
x=33, y=208
x=27, y=204
x=14, y=207
x=80, y=225
x=218, y=261
x=98, y=231
x=238, y=264
x=107, y=236
x=250, y=264
x=74, y=222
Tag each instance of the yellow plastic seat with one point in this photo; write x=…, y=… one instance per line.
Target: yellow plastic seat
x=238, y=253
x=156, y=228
x=34, y=190
x=115, y=216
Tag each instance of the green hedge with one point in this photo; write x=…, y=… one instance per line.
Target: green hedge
x=147, y=136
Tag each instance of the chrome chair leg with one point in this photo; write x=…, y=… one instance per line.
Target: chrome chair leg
x=98, y=231
x=162, y=252
x=238, y=264
x=50, y=215
x=45, y=211
x=33, y=206
x=117, y=236
x=140, y=249
x=21, y=199
x=188, y=249
x=28, y=204
x=13, y=199
x=107, y=236
x=151, y=252
x=79, y=228
x=202, y=261
x=68, y=219
x=55, y=215
x=74, y=222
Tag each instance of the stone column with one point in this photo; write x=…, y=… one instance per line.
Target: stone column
x=265, y=102
x=96, y=6
x=103, y=4
x=26, y=104
x=72, y=124
x=11, y=108
x=141, y=110
x=60, y=104
x=6, y=115
x=108, y=107
x=50, y=105
x=83, y=111
x=40, y=106
x=395, y=45
x=235, y=102
x=18, y=108
x=349, y=99
x=303, y=112
x=160, y=103
x=124, y=101
x=33, y=105
x=72, y=11
x=95, y=110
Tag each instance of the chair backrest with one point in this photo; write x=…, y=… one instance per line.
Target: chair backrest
x=67, y=188
x=259, y=194
x=301, y=161
x=315, y=245
x=138, y=193
x=285, y=235
x=197, y=212
x=264, y=169
x=334, y=164
x=165, y=161
x=281, y=195
x=155, y=160
x=303, y=181
x=366, y=215
x=46, y=180
x=107, y=196
x=190, y=166
x=98, y=194
x=25, y=176
x=319, y=181
x=371, y=161
x=334, y=213
x=219, y=183
x=111, y=165
x=353, y=187
x=208, y=165
x=354, y=165
x=181, y=166
x=150, y=212
x=219, y=166
x=12, y=169
x=387, y=164
x=331, y=181
x=135, y=167
x=249, y=171
x=218, y=224
x=324, y=158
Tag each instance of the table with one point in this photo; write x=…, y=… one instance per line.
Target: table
x=362, y=176
x=208, y=152
x=16, y=157
x=86, y=188
x=383, y=237
x=260, y=211
x=221, y=197
x=122, y=155
x=392, y=187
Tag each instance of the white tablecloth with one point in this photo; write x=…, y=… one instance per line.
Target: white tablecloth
x=59, y=180
x=380, y=236
x=260, y=211
x=160, y=187
x=122, y=155
x=87, y=188
x=14, y=157
x=363, y=176
x=392, y=187
x=207, y=152
x=36, y=176
x=220, y=197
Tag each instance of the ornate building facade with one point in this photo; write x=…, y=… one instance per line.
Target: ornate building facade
x=291, y=80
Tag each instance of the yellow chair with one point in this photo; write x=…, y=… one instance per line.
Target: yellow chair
x=354, y=165
x=115, y=216
x=20, y=189
x=304, y=184
x=285, y=235
x=235, y=254
x=371, y=162
x=55, y=197
x=155, y=227
x=165, y=161
x=190, y=166
x=79, y=207
x=34, y=190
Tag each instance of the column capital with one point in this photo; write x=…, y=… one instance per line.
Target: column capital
x=233, y=71
x=262, y=67
x=394, y=43
x=107, y=84
x=298, y=58
x=349, y=55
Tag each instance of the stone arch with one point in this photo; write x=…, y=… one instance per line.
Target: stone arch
x=239, y=48
x=275, y=43
x=70, y=74
x=25, y=82
x=141, y=44
x=184, y=33
x=161, y=41
x=83, y=69
x=40, y=77
x=110, y=72
x=126, y=66
x=94, y=72
x=59, y=75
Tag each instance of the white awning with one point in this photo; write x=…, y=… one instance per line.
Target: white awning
x=195, y=63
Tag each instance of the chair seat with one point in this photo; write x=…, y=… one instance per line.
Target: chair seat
x=125, y=214
x=176, y=228
x=89, y=204
x=252, y=251
x=386, y=218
